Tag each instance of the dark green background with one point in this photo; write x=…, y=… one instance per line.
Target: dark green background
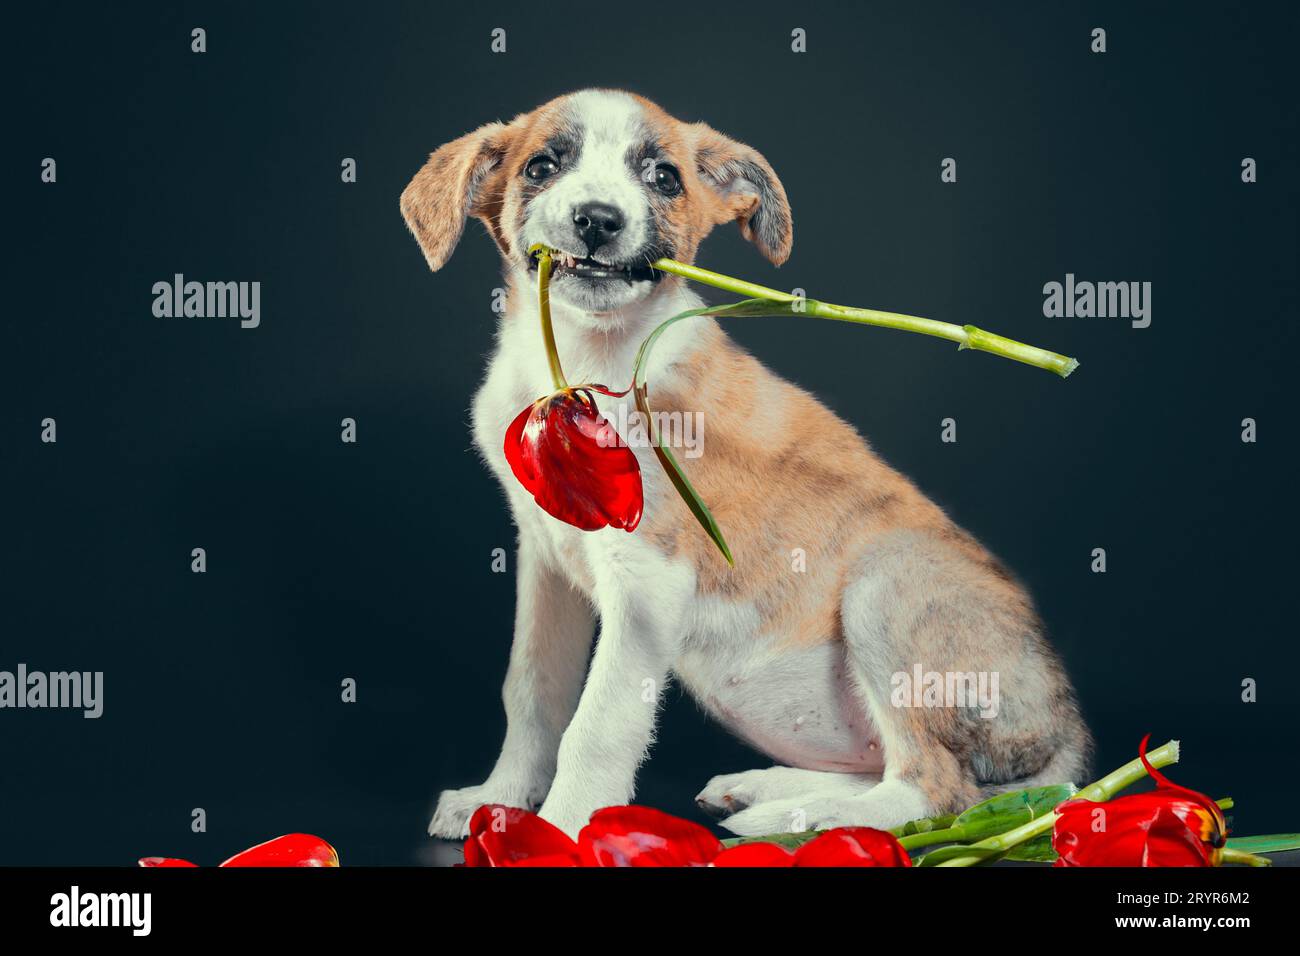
x=373, y=561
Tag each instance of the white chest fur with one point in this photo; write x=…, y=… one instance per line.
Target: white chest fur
x=518, y=374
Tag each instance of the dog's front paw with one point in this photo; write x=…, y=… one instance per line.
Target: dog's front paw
x=455, y=807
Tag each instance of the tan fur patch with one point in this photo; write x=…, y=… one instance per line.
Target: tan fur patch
x=449, y=187
x=766, y=437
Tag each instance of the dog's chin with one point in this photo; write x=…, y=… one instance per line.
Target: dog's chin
x=602, y=298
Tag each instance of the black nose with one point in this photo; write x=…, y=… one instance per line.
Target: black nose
x=597, y=224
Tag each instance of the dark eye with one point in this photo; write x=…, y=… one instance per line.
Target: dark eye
x=541, y=167
x=666, y=180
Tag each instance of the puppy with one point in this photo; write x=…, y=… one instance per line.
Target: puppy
x=850, y=588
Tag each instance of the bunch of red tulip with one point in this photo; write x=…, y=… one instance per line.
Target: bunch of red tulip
x=1167, y=826
x=640, y=836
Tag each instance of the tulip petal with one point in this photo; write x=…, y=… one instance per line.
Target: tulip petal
x=853, y=846
x=754, y=854
x=294, y=849
x=642, y=836
x=508, y=836
x=165, y=861
x=550, y=860
x=574, y=464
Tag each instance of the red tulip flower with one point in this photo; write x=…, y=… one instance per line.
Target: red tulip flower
x=1168, y=826
x=295, y=849
x=564, y=452
x=640, y=836
x=853, y=846
x=507, y=836
x=616, y=836
x=754, y=854
x=165, y=861
x=573, y=462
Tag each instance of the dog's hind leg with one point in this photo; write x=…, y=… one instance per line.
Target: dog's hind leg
x=932, y=608
x=884, y=805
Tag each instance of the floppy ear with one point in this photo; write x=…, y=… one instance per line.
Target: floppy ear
x=450, y=187
x=749, y=190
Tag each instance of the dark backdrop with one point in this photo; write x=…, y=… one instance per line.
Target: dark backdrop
x=372, y=561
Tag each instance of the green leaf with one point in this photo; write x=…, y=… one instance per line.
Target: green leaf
x=1008, y=810
x=683, y=484
x=1037, y=850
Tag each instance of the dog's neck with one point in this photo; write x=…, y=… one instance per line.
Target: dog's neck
x=594, y=348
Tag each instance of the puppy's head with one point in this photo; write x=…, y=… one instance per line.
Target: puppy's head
x=607, y=178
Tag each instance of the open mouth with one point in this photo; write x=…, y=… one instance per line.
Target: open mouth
x=588, y=268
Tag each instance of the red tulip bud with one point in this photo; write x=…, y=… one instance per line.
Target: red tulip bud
x=508, y=836
x=573, y=462
x=642, y=836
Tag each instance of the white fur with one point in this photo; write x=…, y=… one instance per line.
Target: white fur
x=797, y=705
x=610, y=127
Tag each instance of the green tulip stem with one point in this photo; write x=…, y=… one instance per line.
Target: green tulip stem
x=1099, y=792
x=966, y=336
x=914, y=841
x=544, y=307
x=1241, y=857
